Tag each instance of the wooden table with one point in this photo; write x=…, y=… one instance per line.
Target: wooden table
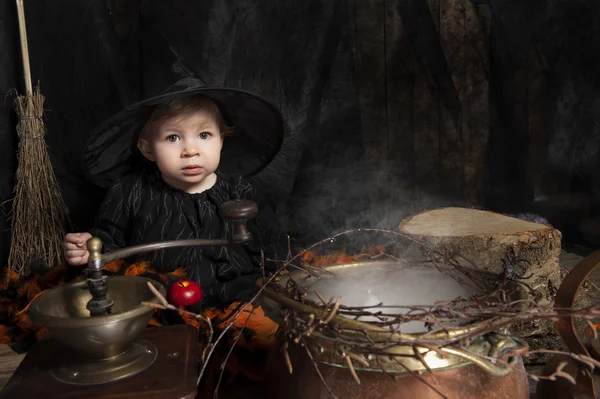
x=9, y=361
x=169, y=377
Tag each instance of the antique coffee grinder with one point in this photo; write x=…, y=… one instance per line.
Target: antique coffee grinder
x=100, y=346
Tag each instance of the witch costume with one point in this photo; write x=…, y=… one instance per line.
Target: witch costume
x=141, y=208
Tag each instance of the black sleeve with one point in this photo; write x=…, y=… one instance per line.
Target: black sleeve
x=112, y=219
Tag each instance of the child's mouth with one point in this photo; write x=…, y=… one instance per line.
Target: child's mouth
x=192, y=170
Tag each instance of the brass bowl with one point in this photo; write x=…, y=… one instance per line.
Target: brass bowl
x=63, y=312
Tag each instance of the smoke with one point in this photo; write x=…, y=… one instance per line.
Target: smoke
x=338, y=188
x=390, y=284
x=531, y=217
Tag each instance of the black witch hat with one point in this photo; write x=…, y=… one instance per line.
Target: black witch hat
x=259, y=132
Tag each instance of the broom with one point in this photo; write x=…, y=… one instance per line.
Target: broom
x=39, y=213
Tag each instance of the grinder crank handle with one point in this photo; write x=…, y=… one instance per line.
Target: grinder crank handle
x=235, y=211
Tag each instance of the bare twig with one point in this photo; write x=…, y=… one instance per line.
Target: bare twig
x=333, y=312
x=351, y=368
x=592, y=329
x=158, y=295
x=358, y=359
x=319, y=372
x=154, y=305
x=235, y=340
x=560, y=373
x=287, y=359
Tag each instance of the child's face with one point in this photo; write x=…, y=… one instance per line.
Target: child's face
x=186, y=149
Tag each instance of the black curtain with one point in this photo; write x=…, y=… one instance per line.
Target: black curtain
x=93, y=58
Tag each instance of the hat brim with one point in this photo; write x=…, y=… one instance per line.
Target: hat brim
x=259, y=132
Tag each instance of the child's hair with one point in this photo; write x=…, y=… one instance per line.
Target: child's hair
x=180, y=106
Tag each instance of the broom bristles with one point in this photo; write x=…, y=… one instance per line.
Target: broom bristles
x=39, y=214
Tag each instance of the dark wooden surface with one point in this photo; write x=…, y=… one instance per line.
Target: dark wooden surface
x=166, y=378
x=9, y=361
x=456, y=102
x=423, y=75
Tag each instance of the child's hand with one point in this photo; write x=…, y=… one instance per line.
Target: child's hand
x=75, y=249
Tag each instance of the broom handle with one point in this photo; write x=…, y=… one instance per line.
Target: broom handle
x=24, y=47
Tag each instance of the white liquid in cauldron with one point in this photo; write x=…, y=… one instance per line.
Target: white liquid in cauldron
x=391, y=284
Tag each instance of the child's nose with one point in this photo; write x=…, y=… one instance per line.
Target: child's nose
x=190, y=150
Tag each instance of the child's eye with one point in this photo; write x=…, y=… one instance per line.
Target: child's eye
x=204, y=135
x=172, y=138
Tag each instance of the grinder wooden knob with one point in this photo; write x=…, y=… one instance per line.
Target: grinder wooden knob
x=238, y=212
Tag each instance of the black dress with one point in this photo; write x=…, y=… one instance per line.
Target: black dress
x=141, y=208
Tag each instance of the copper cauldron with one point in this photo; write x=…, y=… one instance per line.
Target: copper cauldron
x=453, y=372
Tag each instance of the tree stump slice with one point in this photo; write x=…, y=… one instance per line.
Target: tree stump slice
x=489, y=241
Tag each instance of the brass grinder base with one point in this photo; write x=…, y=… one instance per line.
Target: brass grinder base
x=75, y=369
x=168, y=356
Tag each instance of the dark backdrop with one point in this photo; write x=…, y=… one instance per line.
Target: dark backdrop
x=392, y=106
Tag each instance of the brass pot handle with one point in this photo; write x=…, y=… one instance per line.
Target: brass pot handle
x=500, y=343
x=565, y=298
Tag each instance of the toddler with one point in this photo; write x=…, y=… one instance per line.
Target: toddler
x=176, y=195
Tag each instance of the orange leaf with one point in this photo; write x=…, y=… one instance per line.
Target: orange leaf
x=191, y=320
x=30, y=288
x=589, y=331
x=154, y=323
x=376, y=250
x=313, y=259
x=26, y=308
x=178, y=273
x=264, y=329
x=212, y=313
x=114, y=266
x=137, y=268
x=24, y=322
x=10, y=277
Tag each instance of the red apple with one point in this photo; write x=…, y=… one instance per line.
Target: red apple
x=184, y=293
